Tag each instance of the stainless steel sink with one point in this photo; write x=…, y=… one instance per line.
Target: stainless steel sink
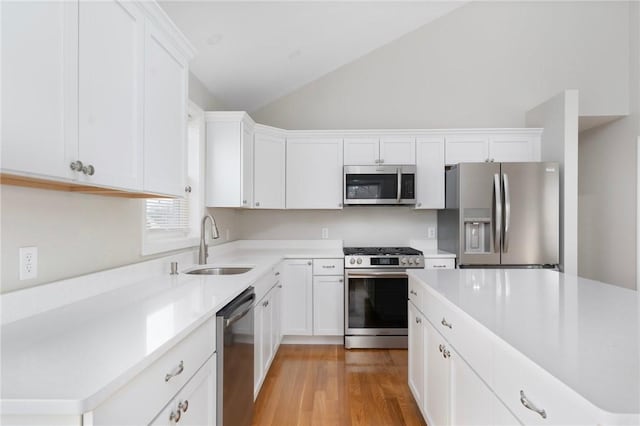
x=230, y=270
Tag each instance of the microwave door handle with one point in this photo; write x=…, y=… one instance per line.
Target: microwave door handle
x=399, y=172
x=497, y=221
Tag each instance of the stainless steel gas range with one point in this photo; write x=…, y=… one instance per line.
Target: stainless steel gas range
x=376, y=294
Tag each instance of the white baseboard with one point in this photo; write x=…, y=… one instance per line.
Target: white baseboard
x=313, y=340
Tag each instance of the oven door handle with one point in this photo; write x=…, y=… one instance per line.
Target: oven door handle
x=377, y=275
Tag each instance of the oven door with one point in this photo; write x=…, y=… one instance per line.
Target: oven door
x=376, y=302
x=379, y=185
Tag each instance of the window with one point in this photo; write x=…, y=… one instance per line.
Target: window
x=172, y=224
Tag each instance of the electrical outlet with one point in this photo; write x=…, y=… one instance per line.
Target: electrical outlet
x=431, y=232
x=28, y=263
x=325, y=233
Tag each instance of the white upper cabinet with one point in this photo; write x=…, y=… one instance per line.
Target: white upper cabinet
x=314, y=173
x=229, y=159
x=111, y=44
x=165, y=114
x=515, y=147
x=497, y=145
x=102, y=82
x=269, y=170
x=398, y=150
x=467, y=148
x=362, y=151
x=39, y=87
x=430, y=172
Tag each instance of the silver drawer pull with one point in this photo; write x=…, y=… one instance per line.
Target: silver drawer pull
x=328, y=266
x=531, y=406
x=418, y=320
x=277, y=273
x=445, y=323
x=183, y=405
x=439, y=266
x=179, y=369
x=175, y=417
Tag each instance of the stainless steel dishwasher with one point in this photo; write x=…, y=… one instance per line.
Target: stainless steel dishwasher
x=235, y=361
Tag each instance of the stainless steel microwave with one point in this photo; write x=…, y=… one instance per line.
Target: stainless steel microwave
x=379, y=185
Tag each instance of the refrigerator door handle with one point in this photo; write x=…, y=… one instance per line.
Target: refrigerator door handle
x=507, y=212
x=497, y=212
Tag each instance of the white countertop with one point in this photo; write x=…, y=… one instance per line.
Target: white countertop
x=583, y=332
x=69, y=359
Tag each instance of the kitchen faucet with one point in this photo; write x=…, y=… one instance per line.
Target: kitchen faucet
x=203, y=252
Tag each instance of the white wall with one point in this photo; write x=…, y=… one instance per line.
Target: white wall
x=371, y=226
x=607, y=186
x=483, y=65
x=200, y=95
x=559, y=118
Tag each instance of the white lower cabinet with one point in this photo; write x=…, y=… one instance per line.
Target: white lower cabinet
x=328, y=305
x=437, y=399
x=193, y=405
x=297, y=298
x=416, y=351
x=141, y=399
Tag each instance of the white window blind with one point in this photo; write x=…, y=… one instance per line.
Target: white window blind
x=168, y=214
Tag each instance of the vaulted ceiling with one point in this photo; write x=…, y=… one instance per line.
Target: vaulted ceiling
x=252, y=53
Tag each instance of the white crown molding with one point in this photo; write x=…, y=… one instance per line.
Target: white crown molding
x=160, y=18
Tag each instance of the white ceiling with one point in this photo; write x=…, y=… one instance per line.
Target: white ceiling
x=252, y=53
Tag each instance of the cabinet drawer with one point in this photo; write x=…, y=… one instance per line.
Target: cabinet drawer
x=515, y=373
x=139, y=401
x=439, y=263
x=471, y=340
x=416, y=292
x=328, y=266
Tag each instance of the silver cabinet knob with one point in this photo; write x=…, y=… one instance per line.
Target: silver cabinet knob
x=440, y=348
x=175, y=417
x=340, y=280
x=89, y=170
x=418, y=320
x=187, y=189
x=244, y=202
x=76, y=166
x=445, y=323
x=265, y=303
x=446, y=354
x=419, y=204
x=183, y=405
x=257, y=203
x=339, y=204
x=309, y=263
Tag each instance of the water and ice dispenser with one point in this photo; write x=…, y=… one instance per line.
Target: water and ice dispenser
x=477, y=231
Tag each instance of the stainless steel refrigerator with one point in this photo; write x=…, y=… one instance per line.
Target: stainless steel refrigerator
x=501, y=214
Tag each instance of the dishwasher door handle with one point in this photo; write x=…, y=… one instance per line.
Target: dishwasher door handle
x=234, y=318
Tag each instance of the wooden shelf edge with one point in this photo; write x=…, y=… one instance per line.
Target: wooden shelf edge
x=31, y=182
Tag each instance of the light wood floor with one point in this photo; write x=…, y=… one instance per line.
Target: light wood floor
x=328, y=385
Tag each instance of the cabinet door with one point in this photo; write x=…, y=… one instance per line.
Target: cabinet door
x=466, y=149
x=266, y=345
x=361, y=151
x=416, y=355
x=276, y=311
x=430, y=172
x=297, y=298
x=165, y=115
x=195, y=404
x=328, y=306
x=111, y=39
x=39, y=87
x=514, y=148
x=258, y=336
x=399, y=150
x=269, y=172
x=246, y=173
x=437, y=378
x=314, y=173
x=471, y=399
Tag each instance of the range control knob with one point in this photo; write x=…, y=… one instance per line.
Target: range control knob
x=403, y=260
x=411, y=262
x=352, y=261
x=359, y=261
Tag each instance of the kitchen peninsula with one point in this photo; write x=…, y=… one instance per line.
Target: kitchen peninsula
x=532, y=346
